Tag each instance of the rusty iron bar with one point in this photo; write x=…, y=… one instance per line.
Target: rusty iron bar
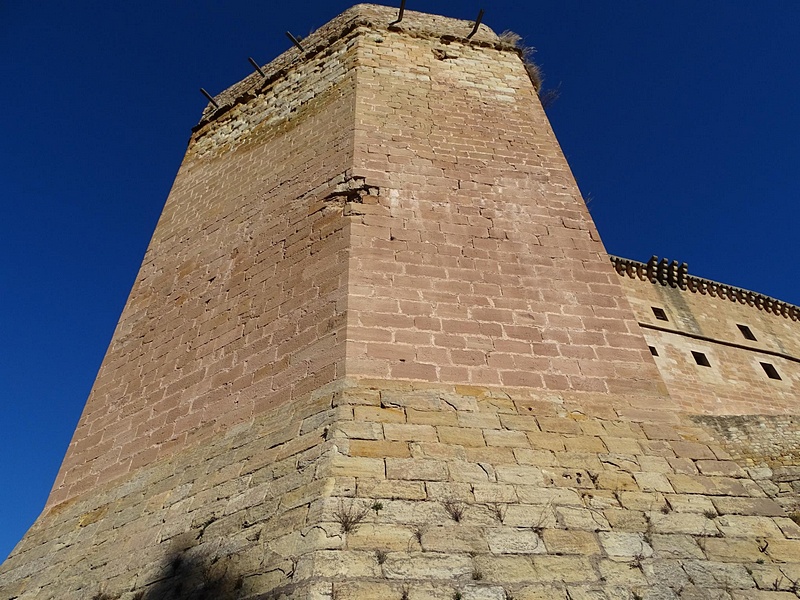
x=477, y=24
x=295, y=41
x=400, y=14
x=256, y=67
x=210, y=97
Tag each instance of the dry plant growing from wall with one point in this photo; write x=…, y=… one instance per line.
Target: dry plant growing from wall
x=349, y=517
x=512, y=40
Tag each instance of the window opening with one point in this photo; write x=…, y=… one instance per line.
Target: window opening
x=653, y=350
x=771, y=371
x=701, y=359
x=659, y=313
x=748, y=335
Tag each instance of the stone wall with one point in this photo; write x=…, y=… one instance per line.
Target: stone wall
x=477, y=261
x=375, y=489
x=376, y=351
x=736, y=382
x=240, y=301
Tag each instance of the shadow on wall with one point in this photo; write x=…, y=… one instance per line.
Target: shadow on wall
x=186, y=575
x=196, y=577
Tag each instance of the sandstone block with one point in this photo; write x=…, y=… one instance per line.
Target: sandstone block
x=337, y=563
x=731, y=550
x=710, y=574
x=435, y=418
x=408, y=432
x=711, y=486
x=494, y=492
x=625, y=520
x=787, y=551
x=616, y=480
x=389, y=537
x=514, y=541
x=567, y=569
x=478, y=420
x=745, y=526
x=653, y=482
x=725, y=468
x=692, y=450
x=539, y=458
x=582, y=518
x=563, y=541
x=748, y=506
x=625, y=545
x=546, y=441
x=532, y=494
x=483, y=592
x=689, y=523
x=357, y=466
x=789, y=528
x=675, y=546
x=526, y=515
x=461, y=436
x=454, y=538
x=621, y=445
x=429, y=565
x=392, y=489
x=543, y=592
x=506, y=569
x=379, y=449
x=505, y=438
x=621, y=574
x=471, y=473
x=584, y=444
x=519, y=475
x=416, y=469
x=379, y=415
x=559, y=425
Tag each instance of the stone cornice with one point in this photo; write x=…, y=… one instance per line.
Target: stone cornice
x=676, y=275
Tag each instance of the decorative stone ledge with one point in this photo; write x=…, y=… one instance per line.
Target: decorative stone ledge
x=677, y=275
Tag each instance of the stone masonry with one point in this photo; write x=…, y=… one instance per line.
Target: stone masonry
x=376, y=350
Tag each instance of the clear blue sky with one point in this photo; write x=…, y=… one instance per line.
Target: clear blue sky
x=680, y=121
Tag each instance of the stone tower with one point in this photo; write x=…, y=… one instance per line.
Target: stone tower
x=376, y=350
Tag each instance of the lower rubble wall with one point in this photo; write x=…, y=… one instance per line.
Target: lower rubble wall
x=393, y=490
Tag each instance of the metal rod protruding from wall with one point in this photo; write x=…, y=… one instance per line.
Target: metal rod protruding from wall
x=256, y=67
x=295, y=41
x=477, y=24
x=400, y=14
x=210, y=97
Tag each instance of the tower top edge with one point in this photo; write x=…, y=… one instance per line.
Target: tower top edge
x=373, y=16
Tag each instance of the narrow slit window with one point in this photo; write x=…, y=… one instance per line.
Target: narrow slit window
x=659, y=313
x=748, y=335
x=701, y=359
x=771, y=371
x=653, y=350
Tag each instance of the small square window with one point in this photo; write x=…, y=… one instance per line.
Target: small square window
x=701, y=359
x=659, y=313
x=748, y=335
x=771, y=371
x=653, y=350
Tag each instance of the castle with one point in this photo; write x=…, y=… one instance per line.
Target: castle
x=376, y=349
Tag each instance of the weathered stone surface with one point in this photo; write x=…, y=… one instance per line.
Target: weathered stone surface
x=562, y=541
x=376, y=350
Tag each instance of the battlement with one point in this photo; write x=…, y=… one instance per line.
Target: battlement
x=722, y=350
x=677, y=275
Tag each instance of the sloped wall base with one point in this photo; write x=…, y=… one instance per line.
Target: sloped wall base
x=390, y=490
